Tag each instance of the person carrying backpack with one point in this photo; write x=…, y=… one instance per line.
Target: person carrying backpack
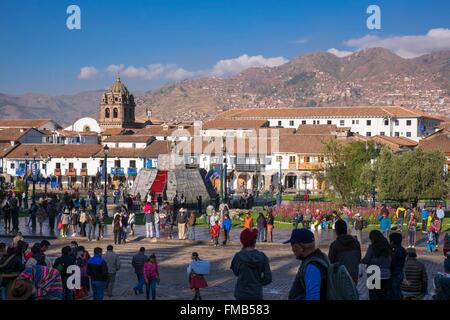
x=317, y=278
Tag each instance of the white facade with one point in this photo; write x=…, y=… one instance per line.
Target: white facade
x=131, y=145
x=368, y=126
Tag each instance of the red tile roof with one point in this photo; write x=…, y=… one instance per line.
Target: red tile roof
x=372, y=111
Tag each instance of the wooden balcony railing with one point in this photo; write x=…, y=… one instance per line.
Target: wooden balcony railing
x=311, y=166
x=57, y=172
x=83, y=172
x=71, y=172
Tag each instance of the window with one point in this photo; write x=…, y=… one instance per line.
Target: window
x=318, y=121
x=115, y=113
x=279, y=122
x=328, y=121
x=382, y=133
x=12, y=165
x=107, y=113
x=58, y=165
x=368, y=134
x=117, y=163
x=307, y=159
x=397, y=122
x=369, y=122
x=291, y=159
x=408, y=134
x=397, y=134
x=303, y=121
x=408, y=122
x=83, y=165
x=133, y=145
x=342, y=122
x=321, y=159
x=132, y=163
x=291, y=123
x=44, y=166
x=70, y=165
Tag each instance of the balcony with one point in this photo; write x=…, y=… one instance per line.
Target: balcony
x=250, y=167
x=71, y=172
x=292, y=165
x=311, y=166
x=83, y=172
x=117, y=170
x=57, y=172
x=132, y=170
x=20, y=172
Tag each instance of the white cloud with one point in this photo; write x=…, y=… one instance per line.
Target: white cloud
x=88, y=73
x=406, y=46
x=236, y=65
x=339, y=53
x=173, y=72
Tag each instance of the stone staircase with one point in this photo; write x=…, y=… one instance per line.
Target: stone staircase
x=143, y=181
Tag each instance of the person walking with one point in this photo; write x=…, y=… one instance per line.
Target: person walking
x=379, y=254
x=117, y=226
x=436, y=226
x=307, y=218
x=197, y=280
x=132, y=222
x=226, y=226
x=400, y=215
x=199, y=205
x=181, y=221
x=91, y=221
x=65, y=219
x=311, y=280
x=251, y=267
x=385, y=224
x=61, y=264
x=261, y=225
x=358, y=226
x=191, y=225
x=52, y=212
x=425, y=214
x=345, y=250
x=138, y=265
x=157, y=223
x=415, y=284
x=41, y=215
x=82, y=222
x=270, y=220
x=151, y=276
x=97, y=270
x=148, y=219
x=74, y=221
x=248, y=221
x=113, y=263
x=397, y=264
x=412, y=227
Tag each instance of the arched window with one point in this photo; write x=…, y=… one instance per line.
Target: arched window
x=107, y=113
x=86, y=128
x=115, y=113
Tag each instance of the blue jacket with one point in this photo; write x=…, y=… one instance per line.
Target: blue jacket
x=424, y=214
x=226, y=224
x=385, y=223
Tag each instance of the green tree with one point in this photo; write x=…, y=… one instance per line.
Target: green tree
x=345, y=164
x=411, y=176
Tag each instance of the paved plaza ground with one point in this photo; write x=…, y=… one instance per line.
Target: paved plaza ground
x=174, y=256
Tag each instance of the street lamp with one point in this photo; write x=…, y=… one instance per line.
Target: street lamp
x=224, y=168
x=105, y=195
x=280, y=186
x=33, y=174
x=46, y=181
x=25, y=178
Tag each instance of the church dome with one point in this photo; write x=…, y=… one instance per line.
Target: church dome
x=118, y=87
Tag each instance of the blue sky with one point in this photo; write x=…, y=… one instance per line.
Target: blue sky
x=153, y=42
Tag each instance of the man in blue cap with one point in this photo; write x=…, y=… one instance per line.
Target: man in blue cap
x=311, y=280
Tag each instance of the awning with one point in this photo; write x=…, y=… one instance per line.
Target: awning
x=159, y=184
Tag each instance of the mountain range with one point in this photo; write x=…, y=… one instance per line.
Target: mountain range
x=369, y=77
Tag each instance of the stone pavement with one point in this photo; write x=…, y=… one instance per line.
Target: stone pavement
x=174, y=256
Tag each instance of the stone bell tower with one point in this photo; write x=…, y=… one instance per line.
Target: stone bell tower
x=117, y=107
